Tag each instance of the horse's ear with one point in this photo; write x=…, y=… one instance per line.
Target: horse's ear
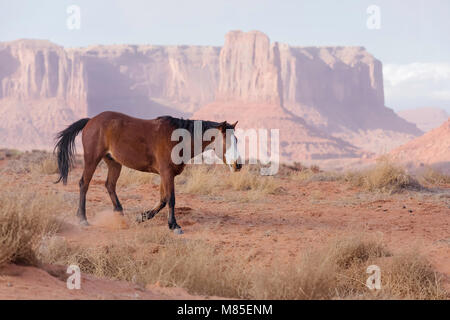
x=234, y=124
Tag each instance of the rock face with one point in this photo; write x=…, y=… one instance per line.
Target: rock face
x=44, y=87
x=433, y=148
x=331, y=92
x=426, y=118
x=250, y=90
x=331, y=98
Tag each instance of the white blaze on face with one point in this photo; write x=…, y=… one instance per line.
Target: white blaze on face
x=232, y=153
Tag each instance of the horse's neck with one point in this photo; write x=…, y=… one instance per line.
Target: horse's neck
x=195, y=148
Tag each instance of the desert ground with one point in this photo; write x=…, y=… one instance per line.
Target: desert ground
x=302, y=234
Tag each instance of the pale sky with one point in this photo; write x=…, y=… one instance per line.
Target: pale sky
x=412, y=41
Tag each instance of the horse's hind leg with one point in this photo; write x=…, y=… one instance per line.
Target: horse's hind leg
x=90, y=164
x=114, y=169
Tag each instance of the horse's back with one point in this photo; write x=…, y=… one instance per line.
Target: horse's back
x=131, y=141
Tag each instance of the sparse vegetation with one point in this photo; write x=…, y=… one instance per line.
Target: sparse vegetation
x=336, y=271
x=130, y=177
x=200, y=179
x=24, y=220
x=29, y=228
x=385, y=176
x=35, y=162
x=213, y=180
x=434, y=177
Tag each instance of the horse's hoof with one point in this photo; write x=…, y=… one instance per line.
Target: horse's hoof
x=140, y=218
x=84, y=223
x=178, y=231
x=119, y=211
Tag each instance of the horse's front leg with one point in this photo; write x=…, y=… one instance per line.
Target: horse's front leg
x=169, y=187
x=157, y=208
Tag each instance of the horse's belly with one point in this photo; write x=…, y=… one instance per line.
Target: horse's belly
x=133, y=159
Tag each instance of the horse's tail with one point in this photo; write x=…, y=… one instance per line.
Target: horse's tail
x=65, y=148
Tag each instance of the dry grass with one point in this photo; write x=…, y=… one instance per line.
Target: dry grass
x=385, y=176
x=156, y=257
x=410, y=276
x=213, y=180
x=337, y=271
x=246, y=181
x=201, y=179
x=24, y=220
x=434, y=177
x=130, y=177
x=308, y=175
x=35, y=162
x=47, y=165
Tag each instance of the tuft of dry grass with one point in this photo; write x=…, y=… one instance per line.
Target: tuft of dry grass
x=434, y=177
x=338, y=271
x=335, y=271
x=25, y=219
x=47, y=165
x=385, y=176
x=410, y=276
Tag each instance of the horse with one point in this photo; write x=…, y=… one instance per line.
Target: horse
x=141, y=144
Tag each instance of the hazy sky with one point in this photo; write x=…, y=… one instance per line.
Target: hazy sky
x=412, y=41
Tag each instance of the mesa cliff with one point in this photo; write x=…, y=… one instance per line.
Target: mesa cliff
x=331, y=98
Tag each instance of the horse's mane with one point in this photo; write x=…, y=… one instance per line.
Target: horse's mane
x=188, y=124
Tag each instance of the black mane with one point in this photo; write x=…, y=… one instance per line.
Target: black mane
x=188, y=124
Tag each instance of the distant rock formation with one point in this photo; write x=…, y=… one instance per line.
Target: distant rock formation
x=333, y=94
x=433, y=148
x=426, y=118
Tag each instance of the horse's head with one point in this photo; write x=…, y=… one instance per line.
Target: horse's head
x=230, y=153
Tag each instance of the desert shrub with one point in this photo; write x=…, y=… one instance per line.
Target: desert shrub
x=25, y=218
x=385, y=176
x=410, y=276
x=434, y=176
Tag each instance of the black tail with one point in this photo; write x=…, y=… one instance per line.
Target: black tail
x=65, y=148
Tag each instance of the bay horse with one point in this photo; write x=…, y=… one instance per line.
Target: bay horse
x=139, y=144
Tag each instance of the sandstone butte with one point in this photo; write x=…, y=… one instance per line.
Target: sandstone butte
x=328, y=102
